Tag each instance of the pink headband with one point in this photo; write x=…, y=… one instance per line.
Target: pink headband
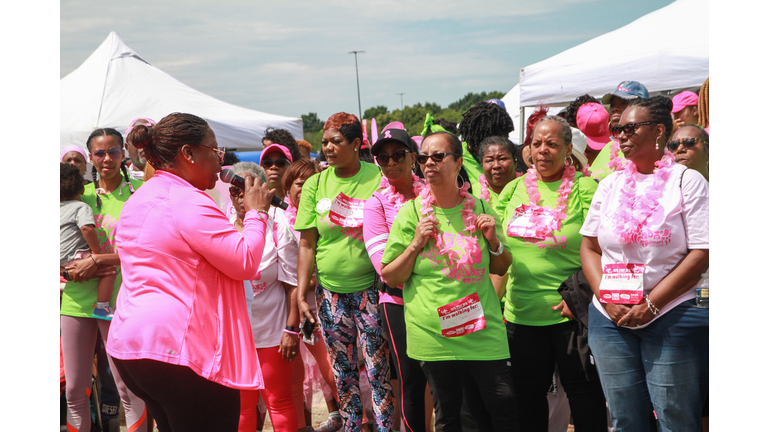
x=73, y=148
x=147, y=120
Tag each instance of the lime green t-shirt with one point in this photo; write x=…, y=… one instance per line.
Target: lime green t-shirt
x=435, y=284
x=598, y=167
x=343, y=265
x=78, y=299
x=540, y=266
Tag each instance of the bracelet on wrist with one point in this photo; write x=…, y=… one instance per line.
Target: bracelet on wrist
x=498, y=251
x=290, y=332
x=292, y=328
x=94, y=259
x=654, y=310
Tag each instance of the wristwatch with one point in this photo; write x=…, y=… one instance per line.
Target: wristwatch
x=66, y=275
x=498, y=251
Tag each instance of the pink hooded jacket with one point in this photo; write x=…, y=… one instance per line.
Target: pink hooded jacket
x=182, y=300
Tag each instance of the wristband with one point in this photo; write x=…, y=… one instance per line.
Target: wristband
x=292, y=328
x=654, y=310
x=290, y=332
x=498, y=251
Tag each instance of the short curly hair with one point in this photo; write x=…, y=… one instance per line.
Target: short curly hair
x=70, y=181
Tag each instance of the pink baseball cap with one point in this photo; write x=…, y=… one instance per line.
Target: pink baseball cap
x=593, y=120
x=684, y=99
x=279, y=147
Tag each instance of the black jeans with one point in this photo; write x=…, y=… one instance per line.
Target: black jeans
x=486, y=386
x=179, y=399
x=534, y=351
x=412, y=380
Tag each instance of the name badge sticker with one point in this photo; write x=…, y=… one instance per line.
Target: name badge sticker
x=520, y=224
x=323, y=205
x=461, y=317
x=347, y=212
x=622, y=283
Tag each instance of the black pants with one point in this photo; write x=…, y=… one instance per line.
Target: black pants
x=412, y=380
x=486, y=386
x=534, y=351
x=181, y=400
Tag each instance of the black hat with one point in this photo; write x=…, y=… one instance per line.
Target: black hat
x=399, y=136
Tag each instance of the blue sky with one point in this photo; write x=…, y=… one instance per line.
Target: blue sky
x=291, y=57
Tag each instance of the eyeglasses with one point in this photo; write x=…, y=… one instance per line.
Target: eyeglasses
x=114, y=153
x=235, y=191
x=219, y=151
x=437, y=157
x=397, y=157
x=629, y=129
x=280, y=163
x=688, y=143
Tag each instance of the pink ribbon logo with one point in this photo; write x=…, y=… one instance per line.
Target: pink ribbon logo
x=387, y=134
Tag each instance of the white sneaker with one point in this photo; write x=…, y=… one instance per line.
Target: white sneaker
x=333, y=424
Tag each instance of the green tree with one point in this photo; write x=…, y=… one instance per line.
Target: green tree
x=375, y=112
x=470, y=99
x=312, y=122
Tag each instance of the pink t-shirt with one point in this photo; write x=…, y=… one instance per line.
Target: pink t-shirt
x=379, y=214
x=679, y=223
x=183, y=267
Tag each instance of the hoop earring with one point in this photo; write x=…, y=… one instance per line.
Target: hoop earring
x=457, y=182
x=566, y=161
x=530, y=160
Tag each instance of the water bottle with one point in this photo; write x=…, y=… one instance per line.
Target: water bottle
x=702, y=291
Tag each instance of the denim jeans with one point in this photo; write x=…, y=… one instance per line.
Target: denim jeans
x=663, y=367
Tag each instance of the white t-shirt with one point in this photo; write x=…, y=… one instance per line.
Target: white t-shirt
x=269, y=304
x=679, y=223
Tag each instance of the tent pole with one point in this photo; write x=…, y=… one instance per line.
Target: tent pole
x=522, y=124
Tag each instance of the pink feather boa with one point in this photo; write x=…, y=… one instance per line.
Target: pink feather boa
x=467, y=215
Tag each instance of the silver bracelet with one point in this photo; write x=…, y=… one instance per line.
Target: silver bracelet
x=498, y=251
x=654, y=310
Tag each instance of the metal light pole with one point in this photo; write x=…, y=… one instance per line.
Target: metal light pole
x=357, y=76
x=402, y=107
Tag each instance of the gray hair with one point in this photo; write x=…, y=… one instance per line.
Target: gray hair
x=565, y=128
x=251, y=168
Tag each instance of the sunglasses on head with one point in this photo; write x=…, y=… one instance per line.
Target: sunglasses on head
x=688, y=143
x=235, y=191
x=280, y=163
x=629, y=129
x=397, y=156
x=114, y=153
x=437, y=157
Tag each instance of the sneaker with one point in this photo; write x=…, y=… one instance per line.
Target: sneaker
x=103, y=313
x=333, y=424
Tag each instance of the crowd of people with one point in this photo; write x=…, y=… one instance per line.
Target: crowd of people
x=452, y=281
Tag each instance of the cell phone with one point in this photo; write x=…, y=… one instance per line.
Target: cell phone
x=307, y=332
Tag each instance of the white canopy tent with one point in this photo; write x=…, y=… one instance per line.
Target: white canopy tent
x=115, y=85
x=657, y=50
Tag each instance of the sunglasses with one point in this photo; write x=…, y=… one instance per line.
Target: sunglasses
x=688, y=143
x=437, y=157
x=235, y=191
x=114, y=153
x=219, y=151
x=629, y=129
x=397, y=156
x=280, y=163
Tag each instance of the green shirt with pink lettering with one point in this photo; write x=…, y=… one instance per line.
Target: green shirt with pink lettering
x=539, y=266
x=334, y=206
x=78, y=299
x=451, y=312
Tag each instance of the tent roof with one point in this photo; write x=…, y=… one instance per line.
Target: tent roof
x=657, y=50
x=115, y=85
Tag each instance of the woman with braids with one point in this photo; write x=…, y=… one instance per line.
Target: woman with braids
x=330, y=219
x=543, y=212
x=442, y=247
x=396, y=154
x=106, y=196
x=703, y=107
x=181, y=338
x=645, y=246
x=482, y=120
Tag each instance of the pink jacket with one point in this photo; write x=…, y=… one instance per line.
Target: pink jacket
x=182, y=299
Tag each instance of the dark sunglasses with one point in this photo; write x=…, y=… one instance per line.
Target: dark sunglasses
x=280, y=163
x=235, y=191
x=397, y=156
x=688, y=143
x=437, y=157
x=114, y=153
x=629, y=129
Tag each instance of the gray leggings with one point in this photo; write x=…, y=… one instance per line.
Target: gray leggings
x=78, y=342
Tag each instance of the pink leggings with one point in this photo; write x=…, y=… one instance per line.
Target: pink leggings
x=78, y=342
x=277, y=375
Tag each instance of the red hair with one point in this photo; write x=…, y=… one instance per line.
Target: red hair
x=340, y=119
x=532, y=120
